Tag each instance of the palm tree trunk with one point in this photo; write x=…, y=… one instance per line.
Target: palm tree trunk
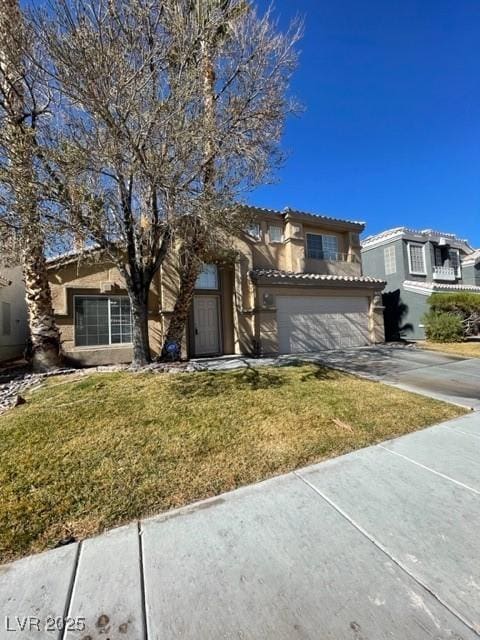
x=20, y=137
x=44, y=351
x=181, y=309
x=194, y=241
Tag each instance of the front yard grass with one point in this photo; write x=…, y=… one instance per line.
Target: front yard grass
x=466, y=349
x=104, y=449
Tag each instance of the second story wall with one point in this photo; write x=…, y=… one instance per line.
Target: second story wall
x=303, y=243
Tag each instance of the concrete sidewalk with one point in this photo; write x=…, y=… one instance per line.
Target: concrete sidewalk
x=381, y=543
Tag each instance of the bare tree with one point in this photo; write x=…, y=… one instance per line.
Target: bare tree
x=165, y=112
x=22, y=105
x=245, y=67
x=125, y=142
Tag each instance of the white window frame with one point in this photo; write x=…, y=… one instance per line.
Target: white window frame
x=459, y=264
x=252, y=234
x=416, y=273
x=110, y=345
x=217, y=280
x=390, y=260
x=274, y=240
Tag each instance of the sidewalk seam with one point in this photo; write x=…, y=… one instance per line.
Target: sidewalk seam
x=142, y=580
x=457, y=430
x=437, y=473
x=68, y=603
x=385, y=551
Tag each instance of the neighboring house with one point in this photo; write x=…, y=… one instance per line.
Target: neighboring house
x=292, y=284
x=416, y=264
x=13, y=314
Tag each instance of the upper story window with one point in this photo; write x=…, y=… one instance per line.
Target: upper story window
x=321, y=247
x=275, y=233
x=454, y=256
x=208, y=278
x=254, y=231
x=100, y=320
x=390, y=260
x=416, y=259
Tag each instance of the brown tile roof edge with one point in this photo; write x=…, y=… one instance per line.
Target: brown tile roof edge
x=276, y=274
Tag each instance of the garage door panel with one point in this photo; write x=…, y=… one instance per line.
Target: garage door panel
x=316, y=323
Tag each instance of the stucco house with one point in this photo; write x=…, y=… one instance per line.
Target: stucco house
x=13, y=314
x=416, y=264
x=292, y=284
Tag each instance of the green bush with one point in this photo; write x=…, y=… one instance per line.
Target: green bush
x=463, y=306
x=443, y=327
x=463, y=303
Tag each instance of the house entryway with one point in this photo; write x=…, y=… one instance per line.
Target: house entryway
x=206, y=316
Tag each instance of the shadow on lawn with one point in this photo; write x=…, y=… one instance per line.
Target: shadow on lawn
x=214, y=383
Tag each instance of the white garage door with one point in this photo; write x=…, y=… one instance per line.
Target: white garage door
x=315, y=323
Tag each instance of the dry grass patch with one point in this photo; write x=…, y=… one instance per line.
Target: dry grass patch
x=466, y=349
x=108, y=448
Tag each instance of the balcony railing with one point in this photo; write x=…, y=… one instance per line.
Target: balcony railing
x=333, y=256
x=448, y=274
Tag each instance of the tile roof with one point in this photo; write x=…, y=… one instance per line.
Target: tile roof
x=295, y=212
x=290, y=275
x=425, y=234
x=472, y=258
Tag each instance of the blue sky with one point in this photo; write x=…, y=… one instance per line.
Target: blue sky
x=391, y=130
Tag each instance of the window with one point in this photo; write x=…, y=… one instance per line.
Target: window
x=253, y=230
x=454, y=255
x=416, y=259
x=208, y=278
x=275, y=233
x=6, y=319
x=390, y=260
x=102, y=321
x=322, y=247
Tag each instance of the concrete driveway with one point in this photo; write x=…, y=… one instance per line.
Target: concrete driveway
x=438, y=375
x=446, y=377
x=381, y=543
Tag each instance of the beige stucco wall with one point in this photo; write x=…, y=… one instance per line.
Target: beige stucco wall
x=248, y=324
x=102, y=279
x=13, y=344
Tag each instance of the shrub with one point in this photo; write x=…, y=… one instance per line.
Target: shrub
x=443, y=327
x=465, y=306
x=464, y=303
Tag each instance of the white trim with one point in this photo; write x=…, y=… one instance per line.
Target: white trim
x=254, y=236
x=425, y=235
x=471, y=259
x=276, y=226
x=416, y=273
x=426, y=289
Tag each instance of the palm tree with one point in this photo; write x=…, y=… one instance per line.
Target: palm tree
x=19, y=137
x=199, y=17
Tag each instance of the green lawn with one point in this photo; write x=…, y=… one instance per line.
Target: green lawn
x=466, y=349
x=104, y=449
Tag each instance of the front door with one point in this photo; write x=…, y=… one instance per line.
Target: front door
x=206, y=325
